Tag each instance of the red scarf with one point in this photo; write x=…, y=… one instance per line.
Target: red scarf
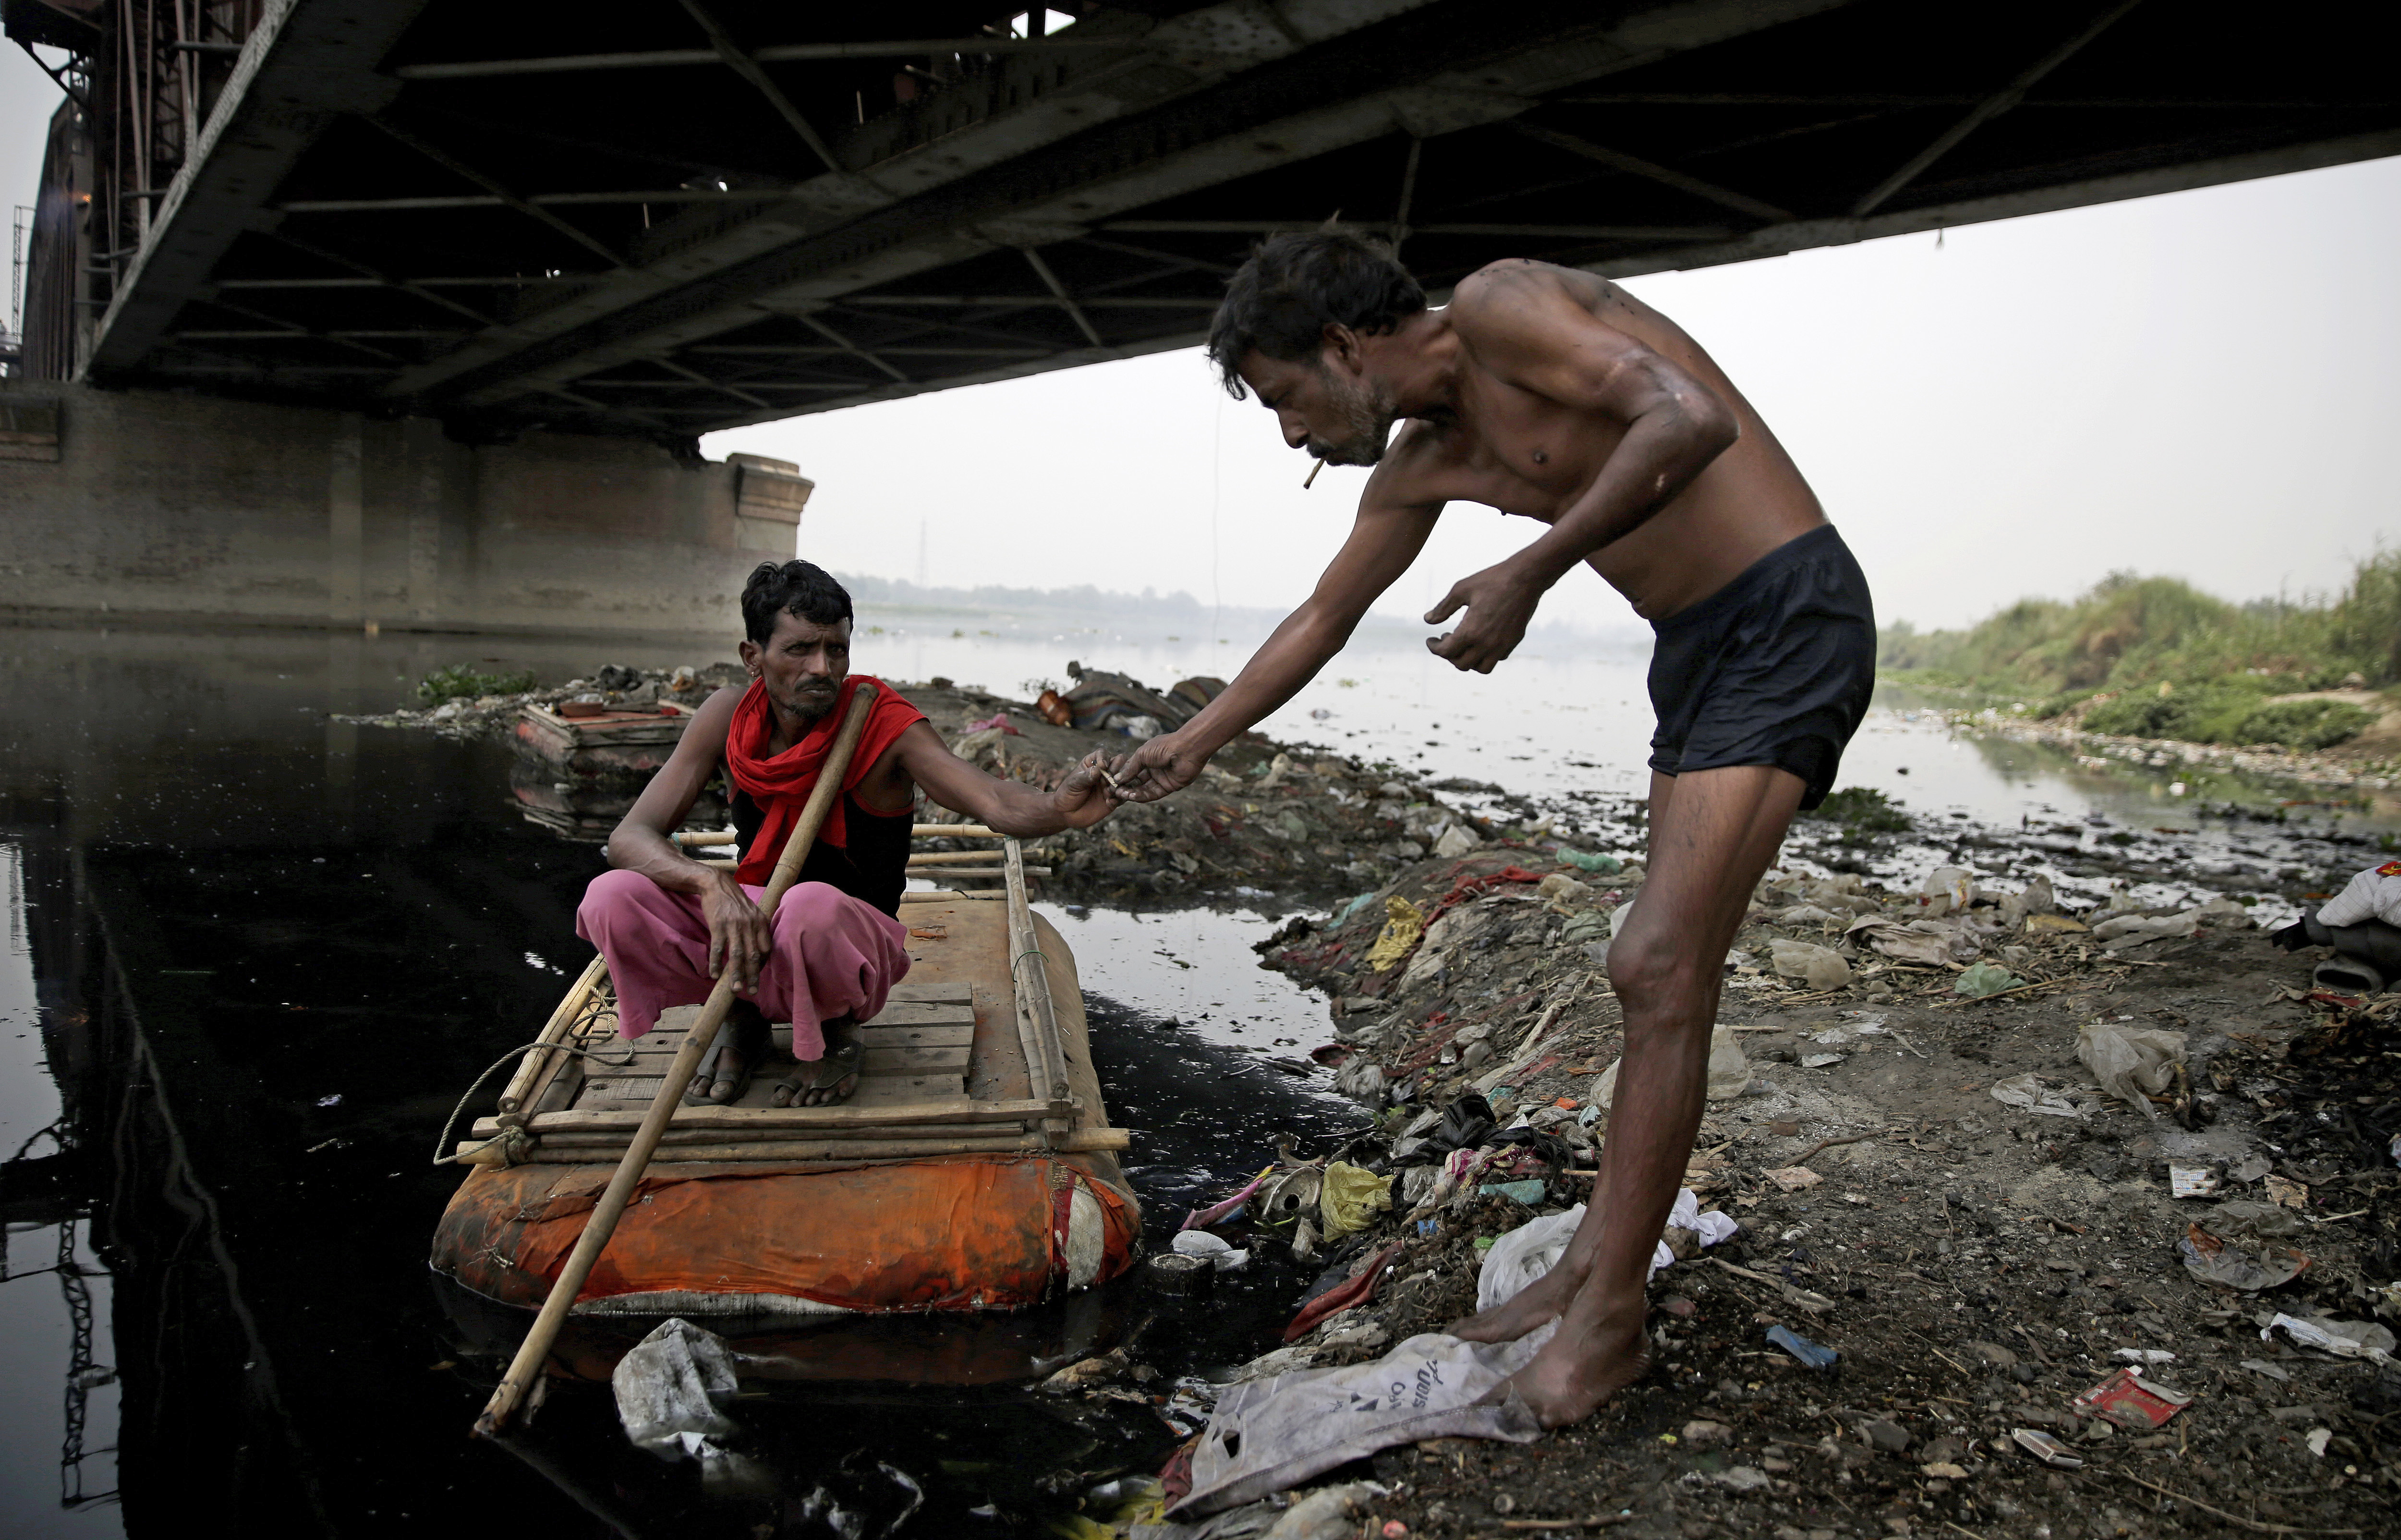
x=781, y=785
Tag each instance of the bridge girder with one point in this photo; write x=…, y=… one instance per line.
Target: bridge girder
x=414, y=205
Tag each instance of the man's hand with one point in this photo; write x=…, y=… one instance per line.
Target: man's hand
x=1083, y=798
x=1166, y=763
x=738, y=933
x=1500, y=602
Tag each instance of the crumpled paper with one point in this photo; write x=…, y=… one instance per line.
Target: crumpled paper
x=2037, y=1094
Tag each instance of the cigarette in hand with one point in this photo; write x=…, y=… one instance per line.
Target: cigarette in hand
x=1312, y=474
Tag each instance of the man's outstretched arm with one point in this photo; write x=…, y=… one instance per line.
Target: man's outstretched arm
x=1528, y=331
x=1385, y=539
x=1010, y=807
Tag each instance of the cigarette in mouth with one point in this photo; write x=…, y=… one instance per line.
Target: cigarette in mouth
x=1312, y=474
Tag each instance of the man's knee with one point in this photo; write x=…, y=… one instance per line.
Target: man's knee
x=612, y=894
x=1648, y=966
x=808, y=901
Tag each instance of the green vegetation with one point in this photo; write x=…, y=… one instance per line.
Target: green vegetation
x=459, y=681
x=1861, y=811
x=2171, y=662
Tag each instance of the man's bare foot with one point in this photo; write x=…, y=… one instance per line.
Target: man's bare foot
x=1572, y=1375
x=1539, y=1302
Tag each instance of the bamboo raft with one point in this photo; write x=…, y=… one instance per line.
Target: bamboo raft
x=974, y=1168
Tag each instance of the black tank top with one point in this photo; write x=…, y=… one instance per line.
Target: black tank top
x=873, y=870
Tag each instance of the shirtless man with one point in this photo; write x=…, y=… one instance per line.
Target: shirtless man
x=1552, y=394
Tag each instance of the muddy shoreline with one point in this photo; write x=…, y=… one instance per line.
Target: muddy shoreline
x=1976, y=1264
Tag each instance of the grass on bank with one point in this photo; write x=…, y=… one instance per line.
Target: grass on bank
x=2155, y=657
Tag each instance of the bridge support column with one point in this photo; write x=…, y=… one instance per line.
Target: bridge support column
x=192, y=507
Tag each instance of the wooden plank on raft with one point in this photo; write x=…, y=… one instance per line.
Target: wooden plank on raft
x=905, y=1060
x=924, y=1013
x=955, y=1035
x=931, y=1110
x=1087, y=1140
x=930, y=992
x=876, y=1092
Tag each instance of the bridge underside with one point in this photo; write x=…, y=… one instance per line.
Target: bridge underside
x=695, y=215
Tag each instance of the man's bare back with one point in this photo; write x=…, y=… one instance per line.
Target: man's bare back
x=1517, y=440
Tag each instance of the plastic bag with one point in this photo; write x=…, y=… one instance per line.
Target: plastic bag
x=1271, y=1435
x=668, y=1387
x=1350, y=1198
x=2130, y=1061
x=1533, y=1248
x=1821, y=967
x=1523, y=1255
x=1404, y=923
x=1729, y=1070
x=1984, y=978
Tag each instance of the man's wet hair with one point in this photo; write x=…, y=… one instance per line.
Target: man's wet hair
x=800, y=588
x=1296, y=284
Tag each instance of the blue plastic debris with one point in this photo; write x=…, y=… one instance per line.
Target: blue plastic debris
x=1589, y=1116
x=1427, y=1226
x=1528, y=1192
x=1809, y=1353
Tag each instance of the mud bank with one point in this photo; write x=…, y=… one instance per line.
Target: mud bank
x=1978, y=1263
x=2369, y=764
x=1265, y=818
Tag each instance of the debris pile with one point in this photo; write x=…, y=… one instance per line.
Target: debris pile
x=2049, y=1207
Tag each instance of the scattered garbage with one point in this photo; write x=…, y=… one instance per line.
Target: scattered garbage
x=1821, y=967
x=1357, y=1291
x=1729, y=1070
x=2129, y=1401
x=1404, y=923
x=1348, y=1199
x=669, y=1386
x=1269, y=1435
x=2344, y=1338
x=1985, y=978
x=2212, y=1260
x=2144, y=1356
x=1216, y=1213
x=2133, y=1064
x=1811, y=1354
x=2192, y=1181
x=2036, y=1093
x=2043, y=1447
x=1174, y=1273
x=1218, y=1253
x=1793, y=1178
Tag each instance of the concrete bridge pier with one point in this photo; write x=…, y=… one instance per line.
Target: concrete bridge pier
x=188, y=507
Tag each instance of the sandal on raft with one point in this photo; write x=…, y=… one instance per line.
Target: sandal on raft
x=746, y=1031
x=834, y=1078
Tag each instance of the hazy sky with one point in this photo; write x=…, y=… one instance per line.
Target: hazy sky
x=2196, y=384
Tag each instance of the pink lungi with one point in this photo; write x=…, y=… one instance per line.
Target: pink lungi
x=833, y=956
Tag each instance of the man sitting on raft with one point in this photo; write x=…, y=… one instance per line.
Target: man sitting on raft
x=825, y=961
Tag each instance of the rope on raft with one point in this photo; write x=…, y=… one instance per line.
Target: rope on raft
x=514, y=1140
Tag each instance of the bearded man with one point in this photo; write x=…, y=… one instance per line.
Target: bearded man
x=1556, y=396
x=828, y=955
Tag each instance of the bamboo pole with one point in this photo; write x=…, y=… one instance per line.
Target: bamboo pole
x=954, y=831
x=522, y=1085
x=1037, y=1025
x=702, y=1032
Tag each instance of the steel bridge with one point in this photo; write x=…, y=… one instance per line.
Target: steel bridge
x=687, y=214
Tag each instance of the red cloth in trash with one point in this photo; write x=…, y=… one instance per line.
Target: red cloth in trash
x=781, y=784
x=1475, y=885
x=1357, y=1291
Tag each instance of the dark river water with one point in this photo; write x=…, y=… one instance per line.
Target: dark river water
x=254, y=954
